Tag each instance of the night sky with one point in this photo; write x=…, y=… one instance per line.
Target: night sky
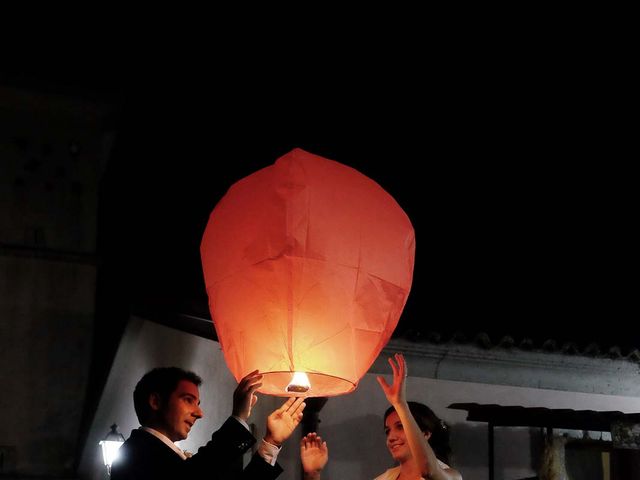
x=522, y=204
x=522, y=226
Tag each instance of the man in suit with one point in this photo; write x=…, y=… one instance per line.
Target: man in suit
x=167, y=403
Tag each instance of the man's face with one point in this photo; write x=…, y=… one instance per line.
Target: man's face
x=180, y=412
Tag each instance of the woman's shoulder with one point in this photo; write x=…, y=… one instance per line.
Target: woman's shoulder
x=393, y=473
x=390, y=474
x=444, y=466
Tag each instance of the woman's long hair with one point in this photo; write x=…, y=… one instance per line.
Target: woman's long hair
x=429, y=422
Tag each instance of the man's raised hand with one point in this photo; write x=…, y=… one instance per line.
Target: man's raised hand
x=244, y=397
x=282, y=422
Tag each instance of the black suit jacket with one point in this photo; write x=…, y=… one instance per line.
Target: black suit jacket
x=143, y=456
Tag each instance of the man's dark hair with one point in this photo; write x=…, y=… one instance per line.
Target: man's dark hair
x=162, y=381
x=429, y=422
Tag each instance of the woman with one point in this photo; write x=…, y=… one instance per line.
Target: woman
x=413, y=433
x=416, y=437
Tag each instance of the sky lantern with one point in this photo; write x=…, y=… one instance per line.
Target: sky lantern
x=308, y=265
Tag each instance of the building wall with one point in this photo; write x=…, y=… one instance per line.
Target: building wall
x=351, y=424
x=46, y=312
x=52, y=149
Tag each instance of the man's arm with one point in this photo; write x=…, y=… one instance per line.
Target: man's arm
x=222, y=453
x=227, y=445
x=258, y=468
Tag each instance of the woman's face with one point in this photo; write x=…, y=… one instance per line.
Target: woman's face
x=396, y=439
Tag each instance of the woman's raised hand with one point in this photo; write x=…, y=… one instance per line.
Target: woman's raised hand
x=395, y=392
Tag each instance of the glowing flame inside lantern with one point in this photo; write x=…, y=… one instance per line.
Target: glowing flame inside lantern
x=299, y=383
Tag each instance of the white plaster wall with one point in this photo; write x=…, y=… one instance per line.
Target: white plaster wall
x=147, y=345
x=352, y=424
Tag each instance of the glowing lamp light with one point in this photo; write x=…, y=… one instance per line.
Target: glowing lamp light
x=110, y=446
x=308, y=265
x=299, y=383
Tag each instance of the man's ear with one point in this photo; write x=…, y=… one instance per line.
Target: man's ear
x=427, y=435
x=155, y=402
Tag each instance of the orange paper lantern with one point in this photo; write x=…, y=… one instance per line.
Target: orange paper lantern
x=308, y=265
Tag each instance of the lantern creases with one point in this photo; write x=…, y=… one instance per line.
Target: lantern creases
x=308, y=265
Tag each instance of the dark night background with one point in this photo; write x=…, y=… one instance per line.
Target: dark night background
x=523, y=216
x=523, y=224
x=508, y=158
x=503, y=142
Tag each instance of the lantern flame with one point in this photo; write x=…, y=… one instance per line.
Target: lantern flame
x=299, y=383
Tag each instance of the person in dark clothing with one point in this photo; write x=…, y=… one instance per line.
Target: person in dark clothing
x=167, y=403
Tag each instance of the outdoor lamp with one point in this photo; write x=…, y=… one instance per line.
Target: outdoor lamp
x=308, y=265
x=110, y=444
